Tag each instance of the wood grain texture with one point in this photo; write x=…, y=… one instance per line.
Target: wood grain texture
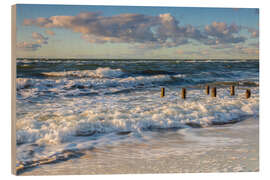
x=13, y=89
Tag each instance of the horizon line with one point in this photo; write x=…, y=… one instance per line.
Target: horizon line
x=141, y=58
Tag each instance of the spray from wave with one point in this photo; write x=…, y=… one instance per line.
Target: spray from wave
x=61, y=113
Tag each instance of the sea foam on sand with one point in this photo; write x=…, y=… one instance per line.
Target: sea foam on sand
x=231, y=148
x=61, y=125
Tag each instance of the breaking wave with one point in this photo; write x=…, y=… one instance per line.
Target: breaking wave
x=98, y=73
x=59, y=114
x=58, y=126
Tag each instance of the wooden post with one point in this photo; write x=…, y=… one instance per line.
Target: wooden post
x=207, y=89
x=232, y=90
x=183, y=93
x=162, y=92
x=248, y=93
x=214, y=92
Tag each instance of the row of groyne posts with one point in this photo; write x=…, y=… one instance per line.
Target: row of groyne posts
x=207, y=91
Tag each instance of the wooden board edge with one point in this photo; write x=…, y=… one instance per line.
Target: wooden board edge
x=13, y=89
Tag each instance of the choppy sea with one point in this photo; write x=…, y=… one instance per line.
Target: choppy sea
x=66, y=106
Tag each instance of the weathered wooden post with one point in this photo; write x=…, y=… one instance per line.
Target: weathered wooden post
x=162, y=92
x=183, y=93
x=207, y=89
x=232, y=90
x=214, y=92
x=248, y=93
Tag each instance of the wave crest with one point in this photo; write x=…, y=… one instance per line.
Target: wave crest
x=98, y=73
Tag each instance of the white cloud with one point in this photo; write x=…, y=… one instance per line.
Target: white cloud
x=34, y=45
x=163, y=30
x=49, y=32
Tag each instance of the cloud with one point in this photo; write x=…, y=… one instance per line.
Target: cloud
x=254, y=45
x=180, y=51
x=39, y=21
x=163, y=30
x=33, y=45
x=119, y=28
x=222, y=46
x=254, y=33
x=49, y=32
x=221, y=33
x=201, y=53
x=247, y=50
x=250, y=51
x=39, y=38
x=28, y=46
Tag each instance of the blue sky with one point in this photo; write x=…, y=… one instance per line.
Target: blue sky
x=57, y=31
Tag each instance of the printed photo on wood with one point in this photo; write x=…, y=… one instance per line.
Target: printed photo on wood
x=133, y=89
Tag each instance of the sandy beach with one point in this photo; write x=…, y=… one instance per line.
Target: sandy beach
x=141, y=90
x=226, y=148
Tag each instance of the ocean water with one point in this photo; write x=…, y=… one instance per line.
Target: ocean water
x=67, y=106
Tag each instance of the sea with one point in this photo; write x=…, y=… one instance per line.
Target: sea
x=65, y=107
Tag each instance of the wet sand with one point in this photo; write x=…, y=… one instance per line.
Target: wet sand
x=226, y=148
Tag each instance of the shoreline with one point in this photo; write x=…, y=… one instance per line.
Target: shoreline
x=226, y=148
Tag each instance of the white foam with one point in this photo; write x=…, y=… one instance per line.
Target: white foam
x=55, y=125
x=98, y=73
x=33, y=87
x=23, y=82
x=114, y=114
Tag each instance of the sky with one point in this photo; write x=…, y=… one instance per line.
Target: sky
x=134, y=32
